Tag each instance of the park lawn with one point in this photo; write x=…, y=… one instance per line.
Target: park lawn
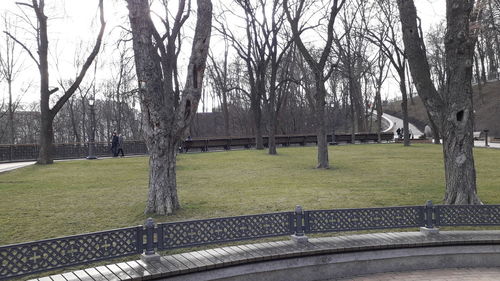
x=74, y=197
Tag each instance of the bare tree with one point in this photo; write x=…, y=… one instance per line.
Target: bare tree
x=452, y=110
x=10, y=67
x=48, y=113
x=389, y=42
x=218, y=72
x=379, y=76
x=253, y=49
x=167, y=114
x=317, y=66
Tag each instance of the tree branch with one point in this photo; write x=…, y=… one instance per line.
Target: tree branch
x=24, y=47
x=90, y=59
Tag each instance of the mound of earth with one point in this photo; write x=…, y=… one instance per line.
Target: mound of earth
x=486, y=107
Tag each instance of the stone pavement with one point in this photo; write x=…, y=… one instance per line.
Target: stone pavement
x=4, y=167
x=448, y=274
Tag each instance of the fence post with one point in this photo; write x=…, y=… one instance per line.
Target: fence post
x=429, y=227
x=149, y=254
x=299, y=235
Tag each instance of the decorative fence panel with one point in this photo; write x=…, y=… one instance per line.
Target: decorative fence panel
x=200, y=232
x=464, y=215
x=363, y=219
x=33, y=257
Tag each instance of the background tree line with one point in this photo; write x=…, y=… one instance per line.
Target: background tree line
x=365, y=53
x=277, y=67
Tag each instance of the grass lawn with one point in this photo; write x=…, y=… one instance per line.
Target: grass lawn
x=76, y=197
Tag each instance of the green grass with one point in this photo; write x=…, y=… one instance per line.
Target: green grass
x=75, y=197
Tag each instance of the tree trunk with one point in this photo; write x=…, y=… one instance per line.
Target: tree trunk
x=272, y=133
x=452, y=110
x=165, y=118
x=272, y=123
x=483, y=67
x=225, y=113
x=459, y=163
x=378, y=105
x=45, y=155
x=257, y=120
x=478, y=76
x=162, y=196
x=353, y=120
x=12, y=135
x=74, y=126
x=323, y=161
x=435, y=129
x=404, y=109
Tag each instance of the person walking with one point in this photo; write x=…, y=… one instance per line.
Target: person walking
x=114, y=144
x=120, y=145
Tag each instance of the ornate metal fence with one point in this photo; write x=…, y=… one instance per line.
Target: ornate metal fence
x=33, y=257
x=200, y=232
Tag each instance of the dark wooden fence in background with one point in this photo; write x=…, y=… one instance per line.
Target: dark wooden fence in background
x=28, y=152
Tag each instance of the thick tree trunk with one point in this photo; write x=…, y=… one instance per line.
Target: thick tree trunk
x=162, y=196
x=459, y=163
x=452, y=110
x=165, y=118
x=46, y=153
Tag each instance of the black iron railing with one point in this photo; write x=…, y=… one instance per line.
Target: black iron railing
x=34, y=257
x=29, y=152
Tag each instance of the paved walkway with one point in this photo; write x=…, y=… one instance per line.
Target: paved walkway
x=448, y=274
x=4, y=167
x=398, y=123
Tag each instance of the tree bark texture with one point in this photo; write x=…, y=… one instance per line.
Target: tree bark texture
x=451, y=111
x=165, y=118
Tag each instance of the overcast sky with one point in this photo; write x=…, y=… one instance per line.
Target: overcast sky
x=75, y=21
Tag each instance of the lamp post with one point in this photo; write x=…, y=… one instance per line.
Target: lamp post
x=92, y=129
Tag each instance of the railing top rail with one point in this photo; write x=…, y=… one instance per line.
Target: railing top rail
x=367, y=208
x=70, y=236
x=220, y=218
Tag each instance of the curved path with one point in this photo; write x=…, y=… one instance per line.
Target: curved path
x=395, y=123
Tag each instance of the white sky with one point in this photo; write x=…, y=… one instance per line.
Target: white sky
x=74, y=21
